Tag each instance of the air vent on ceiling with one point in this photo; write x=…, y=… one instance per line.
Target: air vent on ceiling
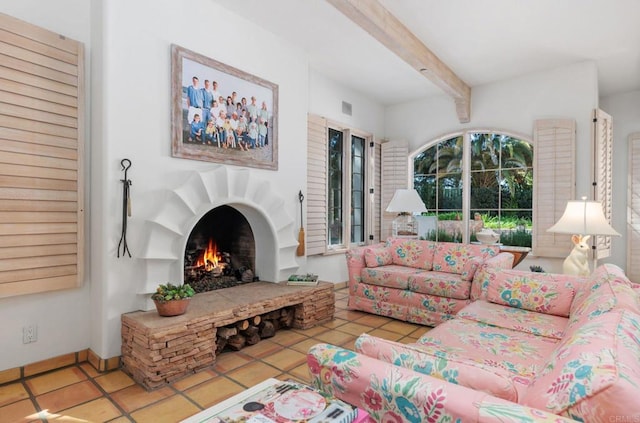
x=346, y=108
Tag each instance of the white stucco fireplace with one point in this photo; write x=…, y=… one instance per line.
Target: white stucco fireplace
x=167, y=231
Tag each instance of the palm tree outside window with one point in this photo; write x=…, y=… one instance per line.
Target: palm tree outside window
x=485, y=177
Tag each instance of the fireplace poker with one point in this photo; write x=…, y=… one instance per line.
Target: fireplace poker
x=126, y=207
x=300, y=250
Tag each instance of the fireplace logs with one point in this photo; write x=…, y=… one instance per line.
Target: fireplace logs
x=250, y=331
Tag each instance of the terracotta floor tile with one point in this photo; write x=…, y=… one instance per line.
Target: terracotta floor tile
x=55, y=380
x=372, y=320
x=403, y=328
x=233, y=359
x=69, y=396
x=334, y=323
x=99, y=410
x=12, y=393
x=90, y=370
x=285, y=359
x=335, y=337
x=288, y=337
x=212, y=392
x=114, y=381
x=253, y=373
x=18, y=412
x=385, y=334
x=135, y=397
x=349, y=315
x=350, y=345
x=171, y=410
x=196, y=379
x=304, y=346
x=355, y=329
x=261, y=349
x=312, y=331
x=121, y=419
x=301, y=373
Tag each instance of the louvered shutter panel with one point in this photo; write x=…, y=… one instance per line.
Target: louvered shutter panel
x=377, y=192
x=41, y=152
x=316, y=221
x=395, y=175
x=603, y=161
x=554, y=185
x=633, y=209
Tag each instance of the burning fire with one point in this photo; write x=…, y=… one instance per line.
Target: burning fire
x=209, y=258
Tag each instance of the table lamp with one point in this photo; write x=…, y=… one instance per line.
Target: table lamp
x=406, y=202
x=580, y=219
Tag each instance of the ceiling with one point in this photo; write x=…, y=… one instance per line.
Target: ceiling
x=482, y=41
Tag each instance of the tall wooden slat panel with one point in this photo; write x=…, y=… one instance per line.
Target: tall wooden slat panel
x=633, y=209
x=41, y=151
x=395, y=175
x=316, y=221
x=554, y=185
x=377, y=193
x=603, y=173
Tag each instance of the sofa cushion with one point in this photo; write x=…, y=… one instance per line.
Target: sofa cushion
x=594, y=374
x=520, y=354
x=443, y=363
x=541, y=292
x=411, y=252
x=441, y=284
x=379, y=255
x=515, y=318
x=607, y=289
x=391, y=276
x=452, y=257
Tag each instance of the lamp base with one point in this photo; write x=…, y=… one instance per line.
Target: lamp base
x=405, y=226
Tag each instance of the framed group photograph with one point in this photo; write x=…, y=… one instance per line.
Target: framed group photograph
x=222, y=114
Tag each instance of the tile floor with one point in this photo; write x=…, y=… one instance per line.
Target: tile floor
x=79, y=393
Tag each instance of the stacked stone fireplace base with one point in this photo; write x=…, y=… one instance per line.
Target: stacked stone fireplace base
x=159, y=350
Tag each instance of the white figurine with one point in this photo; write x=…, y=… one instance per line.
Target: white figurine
x=577, y=263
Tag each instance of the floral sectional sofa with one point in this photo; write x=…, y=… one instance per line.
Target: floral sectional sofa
x=418, y=281
x=533, y=347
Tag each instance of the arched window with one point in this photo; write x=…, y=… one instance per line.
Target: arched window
x=480, y=177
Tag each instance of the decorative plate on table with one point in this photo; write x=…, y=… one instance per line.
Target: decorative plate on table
x=300, y=404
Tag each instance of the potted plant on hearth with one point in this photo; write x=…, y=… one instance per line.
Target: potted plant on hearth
x=172, y=300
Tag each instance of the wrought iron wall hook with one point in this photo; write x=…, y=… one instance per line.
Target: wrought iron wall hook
x=126, y=207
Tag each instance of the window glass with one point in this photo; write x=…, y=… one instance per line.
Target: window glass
x=334, y=206
x=357, y=189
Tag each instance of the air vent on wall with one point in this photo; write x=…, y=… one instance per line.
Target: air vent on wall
x=346, y=108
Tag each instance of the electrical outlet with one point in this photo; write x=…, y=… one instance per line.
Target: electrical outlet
x=29, y=334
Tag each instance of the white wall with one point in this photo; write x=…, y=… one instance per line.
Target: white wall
x=62, y=317
x=511, y=105
x=625, y=111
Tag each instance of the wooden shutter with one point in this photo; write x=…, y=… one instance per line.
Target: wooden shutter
x=395, y=175
x=554, y=183
x=316, y=221
x=633, y=209
x=603, y=173
x=376, y=165
x=41, y=151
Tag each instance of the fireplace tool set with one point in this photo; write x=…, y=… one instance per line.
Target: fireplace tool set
x=126, y=207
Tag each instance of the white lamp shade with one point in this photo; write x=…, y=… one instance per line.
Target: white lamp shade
x=583, y=218
x=406, y=201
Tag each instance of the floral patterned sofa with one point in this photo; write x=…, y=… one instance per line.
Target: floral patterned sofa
x=417, y=281
x=533, y=347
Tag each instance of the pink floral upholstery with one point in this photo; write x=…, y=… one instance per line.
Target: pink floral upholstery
x=494, y=362
x=439, y=283
x=544, y=292
x=451, y=257
x=412, y=289
x=411, y=252
x=594, y=374
x=515, y=318
x=379, y=255
x=444, y=363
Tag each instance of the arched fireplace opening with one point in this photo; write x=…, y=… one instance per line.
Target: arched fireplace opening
x=220, y=251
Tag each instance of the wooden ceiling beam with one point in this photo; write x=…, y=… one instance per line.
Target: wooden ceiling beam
x=374, y=18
